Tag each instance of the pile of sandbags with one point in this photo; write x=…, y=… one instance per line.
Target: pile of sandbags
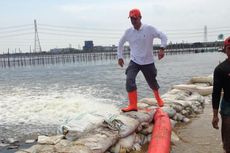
x=125, y=132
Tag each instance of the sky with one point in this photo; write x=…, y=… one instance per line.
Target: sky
x=68, y=23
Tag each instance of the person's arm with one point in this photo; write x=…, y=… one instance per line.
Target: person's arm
x=216, y=94
x=163, y=38
x=120, y=49
x=215, y=119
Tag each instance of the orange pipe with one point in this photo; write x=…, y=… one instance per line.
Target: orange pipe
x=161, y=133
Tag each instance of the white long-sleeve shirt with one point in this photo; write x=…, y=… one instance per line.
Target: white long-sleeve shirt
x=141, y=43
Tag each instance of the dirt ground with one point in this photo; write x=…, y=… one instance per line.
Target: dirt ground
x=197, y=136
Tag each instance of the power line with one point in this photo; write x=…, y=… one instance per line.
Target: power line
x=15, y=31
x=78, y=27
x=16, y=35
x=79, y=31
x=13, y=27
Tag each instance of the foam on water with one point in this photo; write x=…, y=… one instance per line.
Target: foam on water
x=25, y=106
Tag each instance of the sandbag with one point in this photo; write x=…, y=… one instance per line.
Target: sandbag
x=124, y=143
x=98, y=140
x=140, y=116
x=79, y=125
x=124, y=124
x=205, y=91
x=202, y=79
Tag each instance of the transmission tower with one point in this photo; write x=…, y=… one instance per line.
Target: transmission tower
x=37, y=45
x=205, y=34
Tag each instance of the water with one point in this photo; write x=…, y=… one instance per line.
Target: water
x=39, y=99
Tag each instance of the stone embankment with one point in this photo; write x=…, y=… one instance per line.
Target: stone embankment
x=126, y=132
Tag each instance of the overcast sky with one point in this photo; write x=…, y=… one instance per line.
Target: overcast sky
x=68, y=23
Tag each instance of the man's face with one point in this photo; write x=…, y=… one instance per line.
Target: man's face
x=227, y=51
x=135, y=21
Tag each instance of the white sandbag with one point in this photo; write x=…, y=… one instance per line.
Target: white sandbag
x=186, y=112
x=196, y=97
x=176, y=94
x=149, y=101
x=127, y=142
x=122, y=123
x=202, y=79
x=176, y=106
x=142, y=105
x=205, y=91
x=83, y=123
x=98, y=140
x=183, y=103
x=170, y=111
x=189, y=87
x=178, y=117
x=146, y=131
x=66, y=146
x=140, y=116
x=202, y=84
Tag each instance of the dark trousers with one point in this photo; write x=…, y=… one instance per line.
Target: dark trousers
x=149, y=71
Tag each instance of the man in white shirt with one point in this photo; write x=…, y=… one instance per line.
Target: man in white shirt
x=140, y=38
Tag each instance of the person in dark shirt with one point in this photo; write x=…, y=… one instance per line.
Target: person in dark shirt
x=221, y=82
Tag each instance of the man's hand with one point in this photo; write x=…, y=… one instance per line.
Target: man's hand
x=121, y=62
x=215, y=121
x=161, y=53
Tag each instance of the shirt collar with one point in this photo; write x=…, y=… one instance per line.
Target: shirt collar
x=140, y=27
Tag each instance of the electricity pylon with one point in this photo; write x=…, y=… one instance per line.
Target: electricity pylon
x=37, y=45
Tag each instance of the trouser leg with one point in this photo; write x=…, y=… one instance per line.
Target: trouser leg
x=131, y=73
x=150, y=73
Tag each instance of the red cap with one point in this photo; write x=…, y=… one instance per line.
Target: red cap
x=227, y=42
x=135, y=13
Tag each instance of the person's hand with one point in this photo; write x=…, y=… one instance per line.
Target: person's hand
x=121, y=62
x=215, y=121
x=161, y=54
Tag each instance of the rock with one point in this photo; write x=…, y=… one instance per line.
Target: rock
x=30, y=141
x=4, y=144
x=174, y=137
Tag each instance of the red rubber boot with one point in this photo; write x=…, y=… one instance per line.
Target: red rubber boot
x=132, y=102
x=160, y=102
